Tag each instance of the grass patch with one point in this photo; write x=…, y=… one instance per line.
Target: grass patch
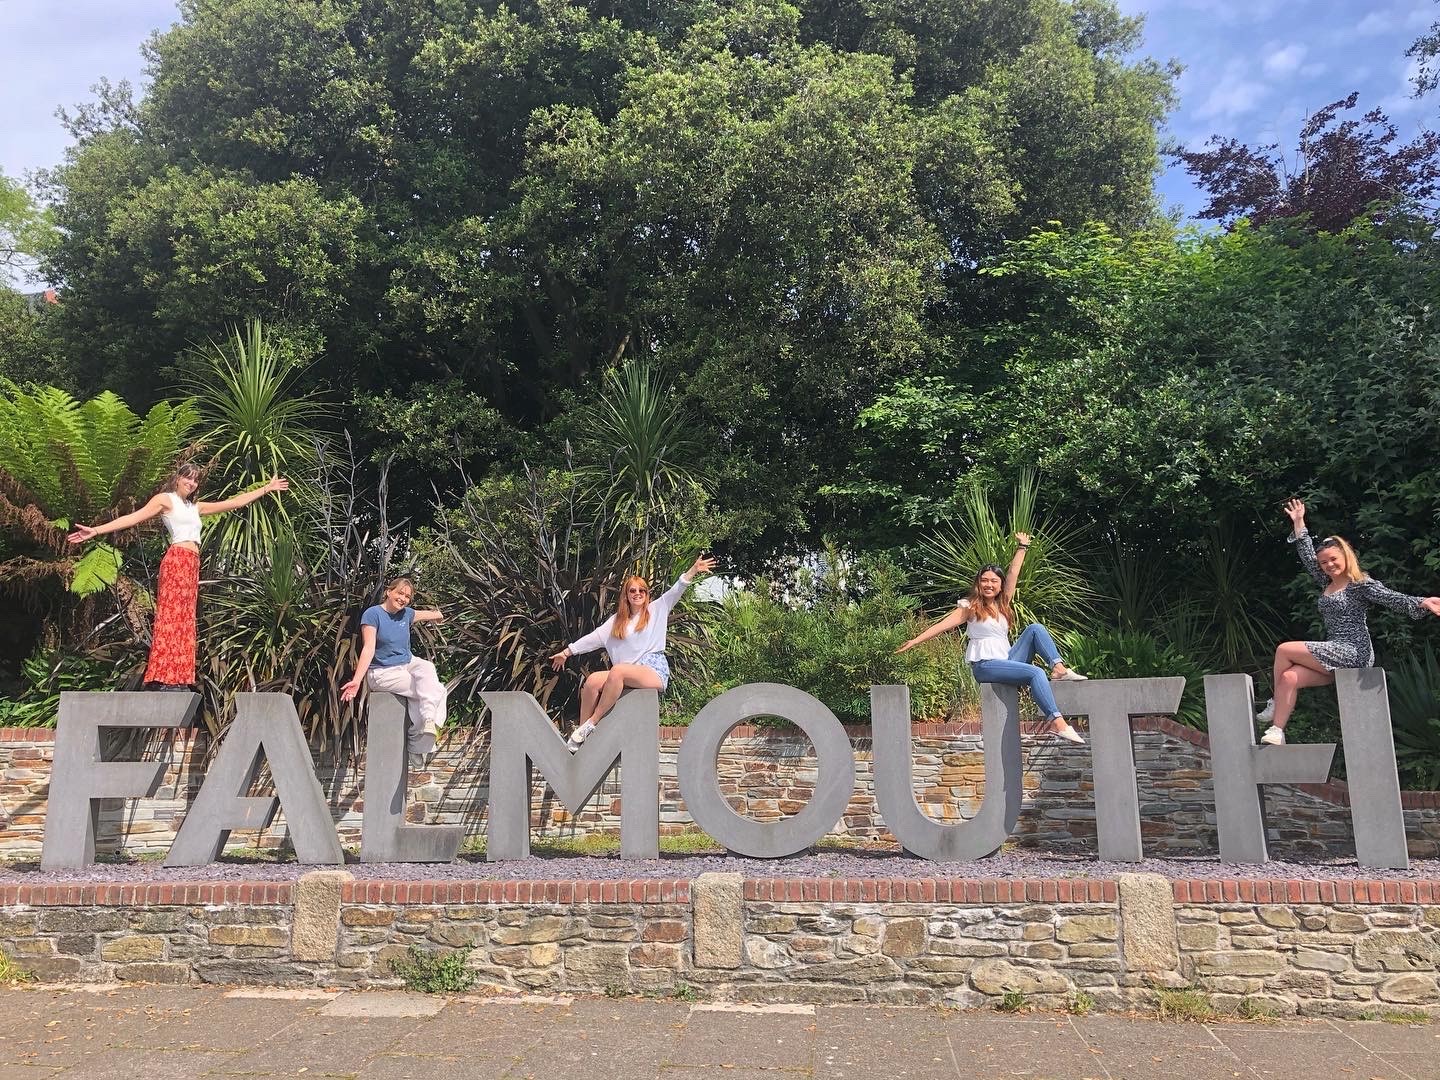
x=1254, y=1009
x=1397, y=1016
x=1080, y=1003
x=1185, y=1005
x=1013, y=1001
x=689, y=842
x=615, y=990
x=12, y=973
x=435, y=972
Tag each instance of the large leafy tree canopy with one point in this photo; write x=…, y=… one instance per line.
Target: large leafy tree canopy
x=490, y=205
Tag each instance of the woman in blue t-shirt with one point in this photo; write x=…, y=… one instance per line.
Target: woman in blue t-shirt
x=386, y=658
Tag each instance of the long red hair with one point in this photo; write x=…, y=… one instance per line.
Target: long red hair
x=624, y=612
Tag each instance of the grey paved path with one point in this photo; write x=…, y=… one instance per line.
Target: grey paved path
x=159, y=1033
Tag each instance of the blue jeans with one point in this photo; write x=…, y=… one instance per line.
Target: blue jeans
x=1018, y=671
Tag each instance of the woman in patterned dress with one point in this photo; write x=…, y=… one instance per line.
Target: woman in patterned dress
x=172, y=639
x=1347, y=595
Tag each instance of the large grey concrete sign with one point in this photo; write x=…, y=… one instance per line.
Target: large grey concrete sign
x=521, y=734
x=700, y=781
x=384, y=834
x=523, y=738
x=266, y=729
x=81, y=776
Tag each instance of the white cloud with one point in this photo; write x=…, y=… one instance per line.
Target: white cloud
x=1284, y=61
x=1395, y=19
x=1234, y=94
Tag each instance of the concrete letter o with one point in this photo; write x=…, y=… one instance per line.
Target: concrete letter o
x=700, y=781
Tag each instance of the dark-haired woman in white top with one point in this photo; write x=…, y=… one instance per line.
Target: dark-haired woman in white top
x=172, y=640
x=988, y=616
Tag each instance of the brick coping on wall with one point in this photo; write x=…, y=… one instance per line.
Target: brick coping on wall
x=777, y=890
x=1334, y=792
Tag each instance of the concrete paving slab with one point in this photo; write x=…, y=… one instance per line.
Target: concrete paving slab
x=342, y=1045
x=745, y=1041
x=631, y=1038
x=225, y=1025
x=150, y=1064
x=27, y=1072
x=684, y=1072
x=1413, y=1066
x=384, y=1004
x=1036, y=1050
x=1315, y=1052
x=865, y=1043
x=753, y=1008
x=410, y=1067
x=1130, y=1046
x=1382, y=1038
x=280, y=993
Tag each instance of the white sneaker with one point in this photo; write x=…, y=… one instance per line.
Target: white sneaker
x=1265, y=715
x=579, y=735
x=1273, y=736
x=1069, y=676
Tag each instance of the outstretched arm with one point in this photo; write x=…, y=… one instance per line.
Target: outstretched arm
x=152, y=509
x=367, y=653
x=275, y=483
x=1300, y=537
x=430, y=615
x=935, y=629
x=666, y=602
x=589, y=643
x=1012, y=575
x=1375, y=592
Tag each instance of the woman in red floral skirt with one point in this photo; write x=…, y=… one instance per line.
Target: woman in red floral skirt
x=172, y=642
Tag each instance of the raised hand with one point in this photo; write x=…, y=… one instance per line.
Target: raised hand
x=81, y=533
x=278, y=483
x=701, y=565
x=1023, y=538
x=1295, y=511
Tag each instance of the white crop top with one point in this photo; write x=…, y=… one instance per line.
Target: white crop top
x=182, y=520
x=987, y=639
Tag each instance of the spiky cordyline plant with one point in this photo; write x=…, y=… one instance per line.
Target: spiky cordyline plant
x=257, y=425
x=1053, y=589
x=523, y=565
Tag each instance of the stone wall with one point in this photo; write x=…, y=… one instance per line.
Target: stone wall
x=766, y=774
x=1335, y=948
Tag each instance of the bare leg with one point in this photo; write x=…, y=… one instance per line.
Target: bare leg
x=635, y=676
x=590, y=692
x=1295, y=667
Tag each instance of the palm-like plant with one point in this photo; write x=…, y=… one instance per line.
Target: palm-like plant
x=1414, y=686
x=1052, y=587
x=638, y=431
x=258, y=424
x=63, y=461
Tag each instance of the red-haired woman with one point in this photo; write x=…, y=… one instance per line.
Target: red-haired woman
x=635, y=639
x=1347, y=594
x=172, y=640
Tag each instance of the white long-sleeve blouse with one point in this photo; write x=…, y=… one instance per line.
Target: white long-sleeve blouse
x=636, y=643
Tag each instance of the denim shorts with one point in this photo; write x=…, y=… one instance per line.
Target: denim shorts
x=657, y=663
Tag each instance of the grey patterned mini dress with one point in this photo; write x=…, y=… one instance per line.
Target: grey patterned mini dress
x=1344, y=613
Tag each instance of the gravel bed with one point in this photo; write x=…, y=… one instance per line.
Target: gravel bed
x=826, y=864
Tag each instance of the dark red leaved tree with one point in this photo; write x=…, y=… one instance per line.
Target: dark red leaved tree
x=1342, y=167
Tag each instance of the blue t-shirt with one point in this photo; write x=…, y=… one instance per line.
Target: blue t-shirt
x=392, y=634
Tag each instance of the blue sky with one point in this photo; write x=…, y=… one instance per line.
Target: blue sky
x=1253, y=67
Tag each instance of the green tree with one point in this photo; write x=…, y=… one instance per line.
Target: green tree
x=781, y=204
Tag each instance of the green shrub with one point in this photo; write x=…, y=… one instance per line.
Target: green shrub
x=1414, y=686
x=435, y=972
x=1136, y=654
x=834, y=637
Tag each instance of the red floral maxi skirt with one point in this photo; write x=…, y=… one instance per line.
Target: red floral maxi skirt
x=172, y=642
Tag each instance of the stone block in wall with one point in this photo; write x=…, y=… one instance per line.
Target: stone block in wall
x=127, y=950
x=1410, y=990
x=995, y=978
x=718, y=920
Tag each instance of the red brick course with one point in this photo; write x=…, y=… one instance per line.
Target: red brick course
x=779, y=889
